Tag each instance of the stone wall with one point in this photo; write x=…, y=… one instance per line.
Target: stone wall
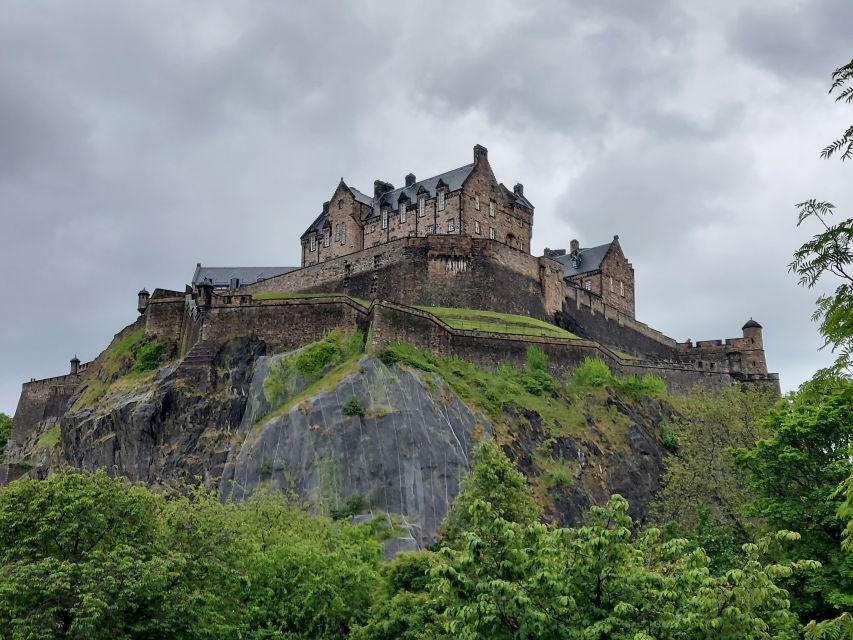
x=163, y=318
x=586, y=315
x=282, y=324
x=449, y=271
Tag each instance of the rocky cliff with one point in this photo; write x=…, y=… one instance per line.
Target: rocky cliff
x=362, y=435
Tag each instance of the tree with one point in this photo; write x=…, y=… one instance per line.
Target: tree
x=5, y=432
x=513, y=581
x=796, y=473
x=829, y=251
x=79, y=558
x=704, y=491
x=844, y=145
x=495, y=480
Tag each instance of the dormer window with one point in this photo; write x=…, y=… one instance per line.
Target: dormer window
x=492, y=208
x=421, y=206
x=477, y=203
x=313, y=243
x=441, y=200
x=403, y=211
x=385, y=218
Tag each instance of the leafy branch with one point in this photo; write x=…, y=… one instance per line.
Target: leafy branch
x=844, y=145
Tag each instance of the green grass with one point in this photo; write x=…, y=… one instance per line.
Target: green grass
x=479, y=320
x=300, y=296
x=49, y=439
x=625, y=355
x=119, y=355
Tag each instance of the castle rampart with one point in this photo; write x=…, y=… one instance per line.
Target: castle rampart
x=440, y=271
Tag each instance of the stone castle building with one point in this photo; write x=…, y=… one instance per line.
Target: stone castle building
x=381, y=262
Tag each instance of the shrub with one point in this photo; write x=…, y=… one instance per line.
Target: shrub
x=148, y=356
x=352, y=344
x=313, y=359
x=537, y=360
x=265, y=469
x=353, y=407
x=637, y=387
x=592, y=372
x=354, y=505
x=669, y=438
x=406, y=354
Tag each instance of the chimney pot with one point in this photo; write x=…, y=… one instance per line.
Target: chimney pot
x=410, y=179
x=518, y=189
x=574, y=246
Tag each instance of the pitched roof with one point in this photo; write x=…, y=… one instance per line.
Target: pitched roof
x=591, y=259
x=221, y=276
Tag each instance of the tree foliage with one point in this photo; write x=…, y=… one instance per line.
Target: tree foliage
x=796, y=473
x=842, y=81
x=704, y=491
x=829, y=252
x=5, y=432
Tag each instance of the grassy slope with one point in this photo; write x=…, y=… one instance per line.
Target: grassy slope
x=497, y=322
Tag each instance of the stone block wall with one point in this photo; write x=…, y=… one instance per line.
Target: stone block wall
x=163, y=319
x=451, y=271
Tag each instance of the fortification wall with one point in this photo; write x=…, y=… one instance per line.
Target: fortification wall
x=586, y=315
x=282, y=324
x=392, y=322
x=163, y=320
x=438, y=270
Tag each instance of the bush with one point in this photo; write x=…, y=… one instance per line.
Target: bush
x=353, y=407
x=313, y=359
x=537, y=360
x=592, y=372
x=406, y=354
x=148, y=356
x=669, y=438
x=352, y=344
x=647, y=386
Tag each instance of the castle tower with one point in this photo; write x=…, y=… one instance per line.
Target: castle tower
x=205, y=295
x=142, y=305
x=753, y=352
x=75, y=365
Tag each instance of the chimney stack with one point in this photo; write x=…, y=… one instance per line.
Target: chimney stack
x=518, y=189
x=410, y=179
x=574, y=247
x=380, y=188
x=481, y=154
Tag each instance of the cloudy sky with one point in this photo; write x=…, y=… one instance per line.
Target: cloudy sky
x=137, y=139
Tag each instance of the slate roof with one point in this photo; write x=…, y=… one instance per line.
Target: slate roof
x=591, y=259
x=221, y=276
x=453, y=180
x=751, y=324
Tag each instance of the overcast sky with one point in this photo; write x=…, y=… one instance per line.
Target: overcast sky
x=137, y=139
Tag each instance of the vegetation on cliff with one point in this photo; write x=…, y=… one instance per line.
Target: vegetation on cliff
x=5, y=432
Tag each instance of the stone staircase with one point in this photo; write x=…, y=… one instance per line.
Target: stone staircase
x=197, y=365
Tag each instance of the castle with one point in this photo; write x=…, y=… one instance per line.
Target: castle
x=385, y=263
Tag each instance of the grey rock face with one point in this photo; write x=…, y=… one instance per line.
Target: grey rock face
x=405, y=456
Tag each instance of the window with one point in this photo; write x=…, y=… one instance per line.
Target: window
x=343, y=233
x=340, y=204
x=313, y=242
x=621, y=288
x=402, y=211
x=492, y=208
x=521, y=223
x=477, y=202
x=421, y=207
x=385, y=218
x=477, y=228
x=430, y=228
x=587, y=284
x=451, y=225
x=441, y=200
x=611, y=284
x=337, y=232
x=491, y=233
x=327, y=237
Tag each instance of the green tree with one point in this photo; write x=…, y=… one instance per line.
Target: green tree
x=495, y=480
x=5, y=432
x=79, y=558
x=602, y=581
x=704, y=492
x=796, y=473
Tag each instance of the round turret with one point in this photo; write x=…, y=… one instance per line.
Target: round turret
x=75, y=364
x=144, y=296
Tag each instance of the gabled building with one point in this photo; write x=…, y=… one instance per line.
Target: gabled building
x=602, y=270
x=467, y=201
